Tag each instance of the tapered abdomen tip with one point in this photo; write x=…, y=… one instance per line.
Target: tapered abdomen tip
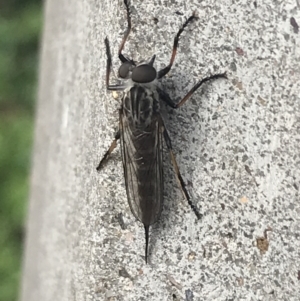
x=146, y=227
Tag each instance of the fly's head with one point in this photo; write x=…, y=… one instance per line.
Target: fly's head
x=141, y=73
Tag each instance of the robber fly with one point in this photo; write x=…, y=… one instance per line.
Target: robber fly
x=142, y=130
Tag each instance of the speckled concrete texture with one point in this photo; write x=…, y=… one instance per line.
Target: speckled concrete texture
x=236, y=141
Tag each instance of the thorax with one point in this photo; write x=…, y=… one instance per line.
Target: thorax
x=140, y=104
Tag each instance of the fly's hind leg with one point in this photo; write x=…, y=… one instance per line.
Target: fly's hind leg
x=109, y=151
x=178, y=175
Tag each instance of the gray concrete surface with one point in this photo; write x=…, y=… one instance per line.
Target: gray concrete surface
x=236, y=142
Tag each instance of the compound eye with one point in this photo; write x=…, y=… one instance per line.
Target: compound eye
x=125, y=69
x=143, y=74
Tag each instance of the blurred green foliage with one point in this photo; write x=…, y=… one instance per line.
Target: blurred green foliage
x=20, y=28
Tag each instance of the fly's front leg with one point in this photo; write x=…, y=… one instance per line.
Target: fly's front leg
x=122, y=58
x=108, y=70
x=109, y=151
x=166, y=98
x=178, y=175
x=165, y=70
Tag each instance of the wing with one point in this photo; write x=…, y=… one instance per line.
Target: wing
x=142, y=161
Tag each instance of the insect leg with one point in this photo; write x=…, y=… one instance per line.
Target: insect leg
x=167, y=99
x=121, y=56
x=109, y=151
x=108, y=62
x=165, y=70
x=178, y=175
x=108, y=69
